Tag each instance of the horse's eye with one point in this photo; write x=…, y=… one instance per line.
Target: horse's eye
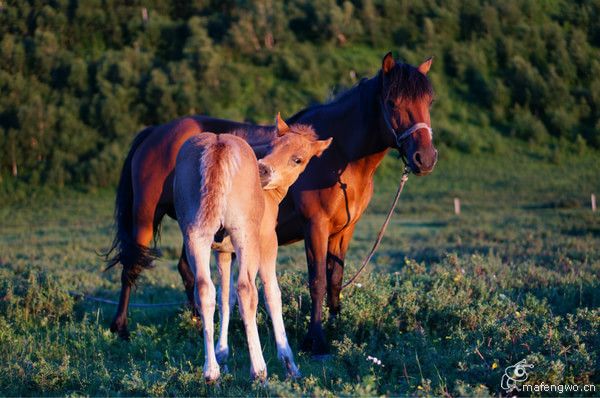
x=297, y=160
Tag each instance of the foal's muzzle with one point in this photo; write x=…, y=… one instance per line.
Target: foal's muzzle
x=264, y=172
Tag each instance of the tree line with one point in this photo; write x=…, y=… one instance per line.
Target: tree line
x=78, y=79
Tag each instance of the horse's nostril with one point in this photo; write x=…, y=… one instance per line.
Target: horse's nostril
x=417, y=158
x=263, y=171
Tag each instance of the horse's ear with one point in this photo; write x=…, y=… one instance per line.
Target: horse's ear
x=280, y=125
x=321, y=145
x=424, y=67
x=388, y=63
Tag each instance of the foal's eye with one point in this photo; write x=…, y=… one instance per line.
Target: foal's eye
x=297, y=160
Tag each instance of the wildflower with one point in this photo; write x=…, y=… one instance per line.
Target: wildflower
x=359, y=285
x=419, y=388
x=375, y=360
x=494, y=365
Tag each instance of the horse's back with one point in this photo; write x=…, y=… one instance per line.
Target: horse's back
x=216, y=181
x=154, y=161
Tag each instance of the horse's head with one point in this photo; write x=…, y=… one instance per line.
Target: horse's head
x=289, y=154
x=406, y=96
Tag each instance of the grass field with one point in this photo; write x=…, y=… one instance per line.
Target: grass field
x=448, y=303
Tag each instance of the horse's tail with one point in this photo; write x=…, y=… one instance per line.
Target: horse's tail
x=218, y=165
x=124, y=249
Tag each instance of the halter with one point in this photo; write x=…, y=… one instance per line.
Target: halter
x=407, y=133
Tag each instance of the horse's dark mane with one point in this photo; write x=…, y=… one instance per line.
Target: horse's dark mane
x=263, y=135
x=405, y=82
x=255, y=136
x=337, y=98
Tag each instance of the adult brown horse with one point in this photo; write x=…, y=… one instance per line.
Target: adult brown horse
x=389, y=110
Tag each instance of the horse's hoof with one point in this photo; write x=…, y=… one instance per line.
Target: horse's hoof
x=121, y=331
x=211, y=375
x=260, y=376
x=291, y=369
x=307, y=344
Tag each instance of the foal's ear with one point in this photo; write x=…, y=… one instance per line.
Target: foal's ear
x=424, y=67
x=321, y=145
x=388, y=63
x=281, y=126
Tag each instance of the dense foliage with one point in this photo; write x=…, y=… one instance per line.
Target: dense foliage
x=79, y=79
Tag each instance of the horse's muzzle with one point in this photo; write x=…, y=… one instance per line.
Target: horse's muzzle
x=264, y=172
x=423, y=162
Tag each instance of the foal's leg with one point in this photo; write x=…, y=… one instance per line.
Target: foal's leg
x=226, y=301
x=268, y=276
x=337, y=248
x=198, y=253
x=246, y=242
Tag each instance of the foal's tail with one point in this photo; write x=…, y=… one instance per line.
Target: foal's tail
x=218, y=165
x=124, y=249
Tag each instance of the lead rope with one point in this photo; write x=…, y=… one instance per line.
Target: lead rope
x=383, y=228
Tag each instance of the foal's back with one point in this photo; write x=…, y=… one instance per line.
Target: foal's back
x=217, y=183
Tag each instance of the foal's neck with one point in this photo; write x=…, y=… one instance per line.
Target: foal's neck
x=275, y=195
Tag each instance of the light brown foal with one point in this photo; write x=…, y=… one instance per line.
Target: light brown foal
x=217, y=188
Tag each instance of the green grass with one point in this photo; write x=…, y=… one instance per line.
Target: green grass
x=448, y=302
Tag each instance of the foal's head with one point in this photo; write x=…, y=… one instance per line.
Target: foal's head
x=290, y=152
x=406, y=96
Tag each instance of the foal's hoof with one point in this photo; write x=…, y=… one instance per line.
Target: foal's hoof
x=211, y=375
x=292, y=370
x=222, y=353
x=260, y=376
x=121, y=331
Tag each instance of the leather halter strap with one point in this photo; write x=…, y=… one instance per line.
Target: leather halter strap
x=400, y=138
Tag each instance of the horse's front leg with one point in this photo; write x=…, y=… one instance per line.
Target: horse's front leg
x=134, y=257
x=315, y=241
x=198, y=253
x=226, y=301
x=337, y=248
x=268, y=275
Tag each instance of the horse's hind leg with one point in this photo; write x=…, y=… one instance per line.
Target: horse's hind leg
x=226, y=301
x=198, y=253
x=246, y=243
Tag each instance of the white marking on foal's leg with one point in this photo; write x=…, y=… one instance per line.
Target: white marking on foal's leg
x=273, y=302
x=226, y=301
x=198, y=250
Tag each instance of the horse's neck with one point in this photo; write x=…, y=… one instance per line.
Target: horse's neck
x=354, y=122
